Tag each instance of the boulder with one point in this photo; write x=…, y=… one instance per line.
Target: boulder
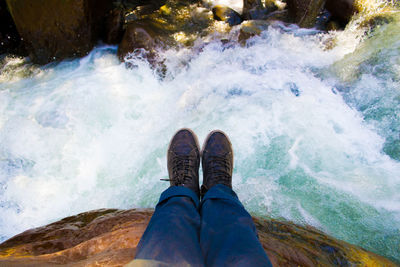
x=177, y=23
x=258, y=4
x=257, y=10
x=251, y=28
x=333, y=26
x=114, y=26
x=341, y=10
x=125, y=11
x=227, y=14
x=323, y=19
x=143, y=38
x=54, y=30
x=305, y=12
x=9, y=37
x=109, y=237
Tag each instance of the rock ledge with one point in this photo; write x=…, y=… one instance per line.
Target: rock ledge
x=108, y=237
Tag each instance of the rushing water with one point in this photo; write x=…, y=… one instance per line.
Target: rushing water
x=315, y=131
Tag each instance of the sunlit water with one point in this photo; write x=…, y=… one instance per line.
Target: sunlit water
x=310, y=146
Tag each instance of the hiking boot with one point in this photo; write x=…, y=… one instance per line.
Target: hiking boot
x=217, y=161
x=183, y=160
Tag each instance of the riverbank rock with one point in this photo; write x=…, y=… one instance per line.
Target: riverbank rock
x=227, y=14
x=114, y=26
x=54, y=30
x=108, y=237
x=177, y=23
x=258, y=10
x=251, y=28
x=125, y=11
x=341, y=10
x=305, y=12
x=142, y=38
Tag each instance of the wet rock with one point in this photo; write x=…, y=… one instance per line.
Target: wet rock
x=341, y=10
x=256, y=14
x=322, y=20
x=294, y=89
x=257, y=10
x=224, y=13
x=9, y=38
x=250, y=4
x=142, y=38
x=139, y=12
x=271, y=5
x=370, y=56
x=377, y=20
x=250, y=29
x=126, y=11
x=110, y=237
x=305, y=12
x=175, y=24
x=114, y=26
x=54, y=30
x=281, y=15
x=333, y=26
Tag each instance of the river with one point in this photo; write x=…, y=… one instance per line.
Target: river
x=315, y=131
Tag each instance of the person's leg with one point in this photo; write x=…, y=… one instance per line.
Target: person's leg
x=172, y=236
x=227, y=236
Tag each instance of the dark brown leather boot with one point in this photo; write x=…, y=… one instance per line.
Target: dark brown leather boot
x=217, y=161
x=184, y=160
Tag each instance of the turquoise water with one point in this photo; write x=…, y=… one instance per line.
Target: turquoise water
x=315, y=143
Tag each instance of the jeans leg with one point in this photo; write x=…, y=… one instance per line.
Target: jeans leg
x=172, y=235
x=228, y=236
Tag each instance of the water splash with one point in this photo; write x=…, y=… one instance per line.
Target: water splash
x=90, y=133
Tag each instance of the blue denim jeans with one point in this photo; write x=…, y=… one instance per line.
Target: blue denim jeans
x=217, y=231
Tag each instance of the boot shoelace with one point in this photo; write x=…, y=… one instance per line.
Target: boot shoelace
x=219, y=168
x=181, y=167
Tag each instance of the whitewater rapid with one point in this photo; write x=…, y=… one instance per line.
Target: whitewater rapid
x=91, y=133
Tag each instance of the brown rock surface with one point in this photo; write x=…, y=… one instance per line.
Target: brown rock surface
x=305, y=12
x=341, y=10
x=257, y=9
x=109, y=237
x=143, y=34
x=177, y=23
x=114, y=26
x=251, y=28
x=115, y=19
x=105, y=237
x=54, y=30
x=227, y=14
